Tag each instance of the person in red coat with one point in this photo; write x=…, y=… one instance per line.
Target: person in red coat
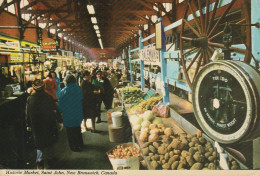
x=51, y=85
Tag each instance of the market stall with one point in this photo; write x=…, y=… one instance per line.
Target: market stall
x=164, y=143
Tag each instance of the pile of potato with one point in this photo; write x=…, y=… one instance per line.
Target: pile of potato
x=154, y=132
x=121, y=152
x=181, y=152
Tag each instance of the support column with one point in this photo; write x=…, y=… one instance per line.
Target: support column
x=130, y=65
x=165, y=89
x=141, y=46
x=255, y=31
x=255, y=18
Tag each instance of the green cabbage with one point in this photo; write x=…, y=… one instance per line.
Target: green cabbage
x=145, y=124
x=137, y=127
x=157, y=120
x=148, y=115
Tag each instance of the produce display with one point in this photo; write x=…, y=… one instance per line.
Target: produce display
x=131, y=95
x=181, y=152
x=145, y=104
x=133, y=99
x=121, y=152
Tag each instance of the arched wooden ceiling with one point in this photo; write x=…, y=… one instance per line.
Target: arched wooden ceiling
x=118, y=20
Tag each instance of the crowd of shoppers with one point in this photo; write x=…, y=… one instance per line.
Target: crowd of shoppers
x=69, y=105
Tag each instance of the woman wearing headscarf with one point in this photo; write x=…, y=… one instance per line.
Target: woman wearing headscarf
x=89, y=101
x=98, y=82
x=71, y=108
x=41, y=116
x=51, y=85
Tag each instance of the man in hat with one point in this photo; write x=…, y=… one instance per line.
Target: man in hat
x=41, y=115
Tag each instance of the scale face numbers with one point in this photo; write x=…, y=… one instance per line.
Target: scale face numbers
x=222, y=102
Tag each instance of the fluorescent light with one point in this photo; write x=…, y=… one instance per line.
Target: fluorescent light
x=96, y=27
x=100, y=43
x=94, y=20
x=97, y=31
x=98, y=35
x=91, y=9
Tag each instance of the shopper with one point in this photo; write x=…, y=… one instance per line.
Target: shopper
x=58, y=90
x=89, y=101
x=118, y=74
x=98, y=82
x=108, y=91
x=51, y=85
x=71, y=108
x=41, y=117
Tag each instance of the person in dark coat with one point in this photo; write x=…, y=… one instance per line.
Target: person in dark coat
x=89, y=101
x=71, y=108
x=108, y=93
x=98, y=82
x=42, y=116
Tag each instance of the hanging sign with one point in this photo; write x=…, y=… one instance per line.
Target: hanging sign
x=159, y=36
x=150, y=56
x=49, y=44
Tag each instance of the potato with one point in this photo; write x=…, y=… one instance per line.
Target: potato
x=159, y=162
x=192, y=151
x=161, y=157
x=205, y=168
x=165, y=139
x=156, y=145
x=202, y=140
x=171, y=153
x=195, y=140
x=174, y=165
x=166, y=166
x=190, y=160
x=150, y=154
x=154, y=164
x=154, y=131
x=208, y=154
x=212, y=166
x=176, y=151
x=191, y=144
x=214, y=154
x=145, y=151
x=162, y=150
x=152, y=126
x=166, y=156
x=152, y=149
x=153, y=137
x=185, y=153
x=201, y=149
x=235, y=167
x=196, y=166
x=146, y=144
x=168, y=131
x=183, y=161
x=199, y=157
x=176, y=144
x=173, y=159
x=155, y=158
x=211, y=158
x=180, y=166
x=163, y=161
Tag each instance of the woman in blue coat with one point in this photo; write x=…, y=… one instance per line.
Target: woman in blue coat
x=71, y=108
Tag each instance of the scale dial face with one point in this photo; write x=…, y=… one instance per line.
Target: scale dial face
x=224, y=100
